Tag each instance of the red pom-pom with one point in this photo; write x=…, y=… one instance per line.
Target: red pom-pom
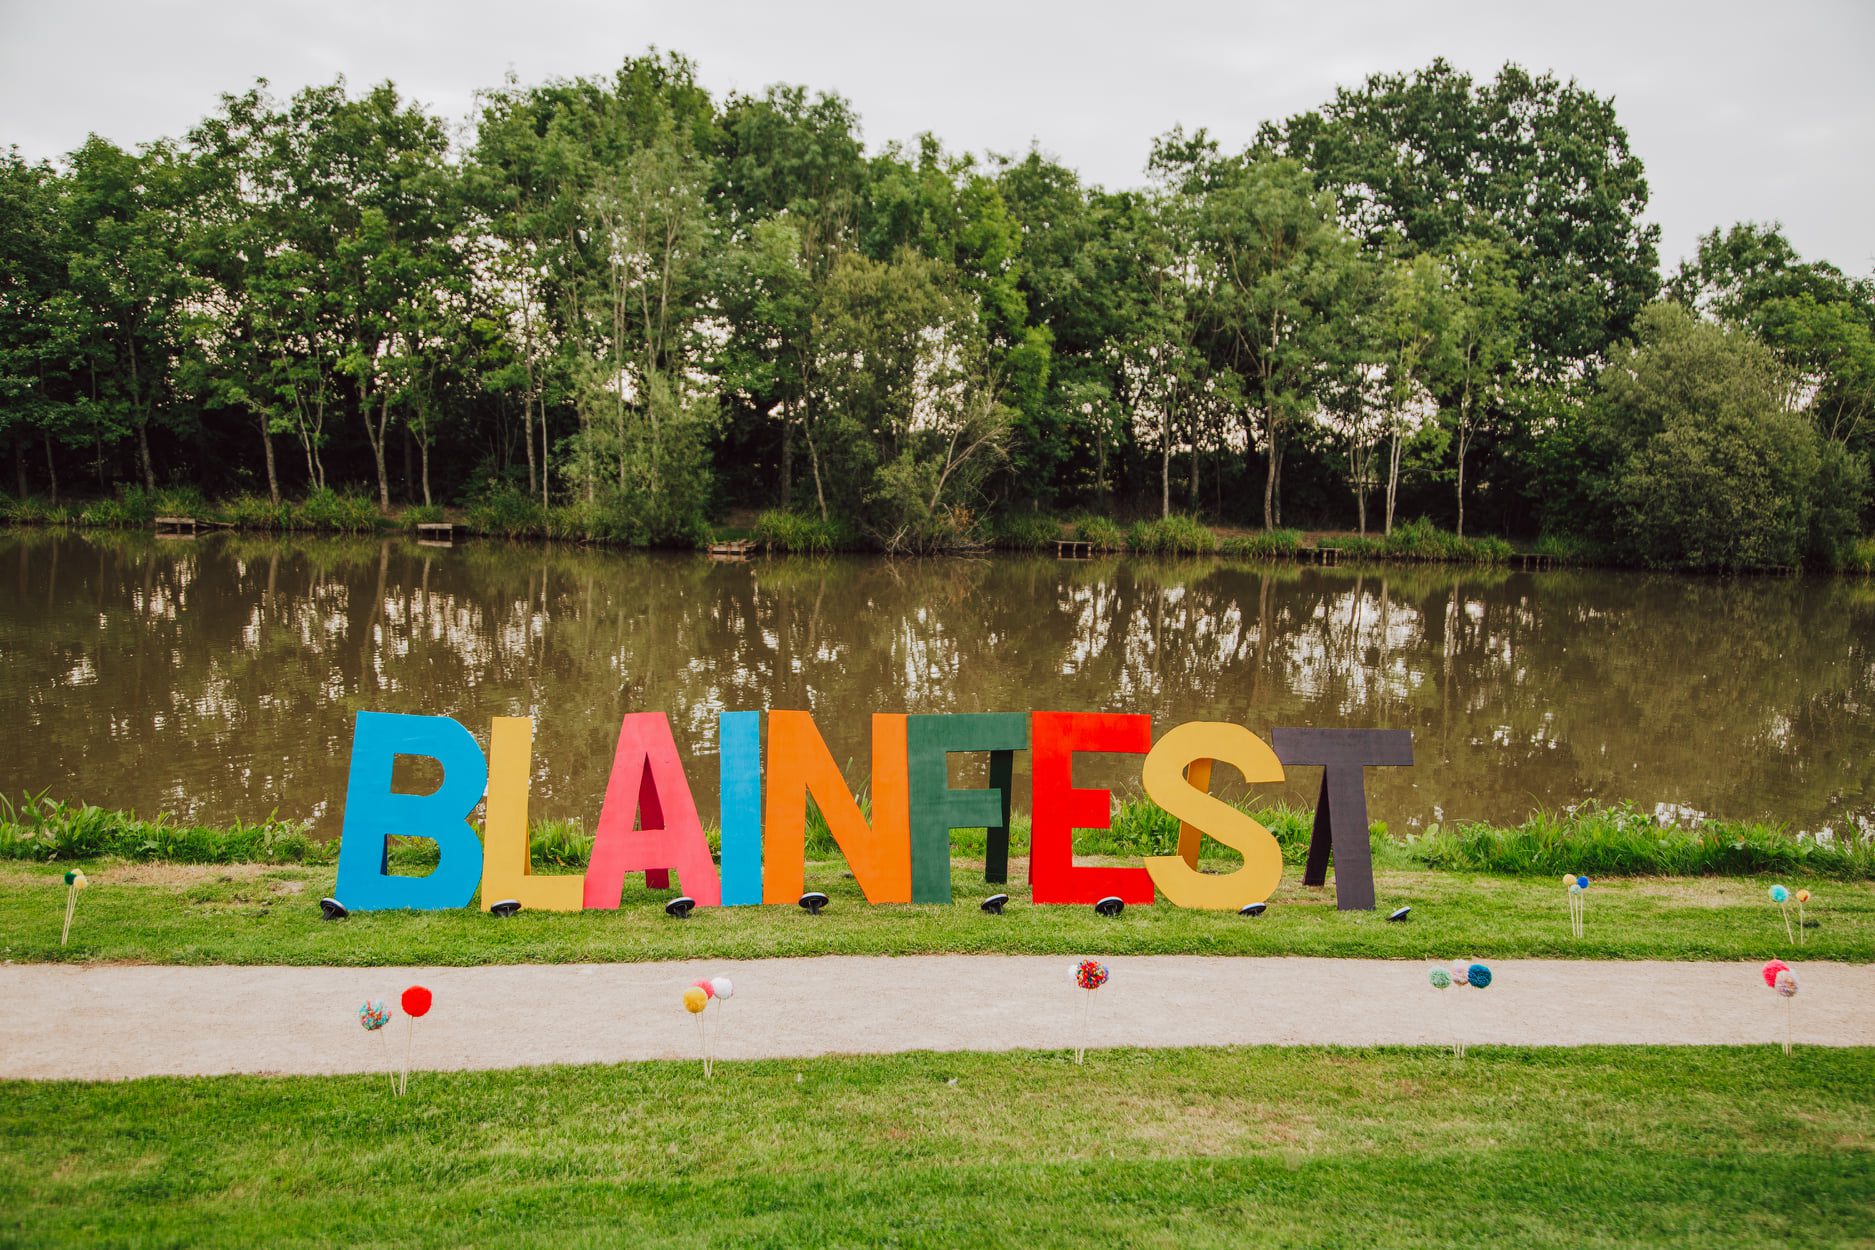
x=709, y=991
x=1772, y=969
x=416, y=1001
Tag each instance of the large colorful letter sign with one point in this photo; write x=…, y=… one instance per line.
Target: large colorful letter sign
x=901, y=854
x=936, y=809
x=1058, y=809
x=373, y=812
x=507, y=866
x=1341, y=811
x=739, y=791
x=799, y=764
x=1177, y=776
x=648, y=786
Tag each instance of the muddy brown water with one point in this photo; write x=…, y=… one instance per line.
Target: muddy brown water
x=217, y=677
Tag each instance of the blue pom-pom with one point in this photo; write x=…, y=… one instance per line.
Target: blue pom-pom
x=1779, y=894
x=1478, y=975
x=1582, y=883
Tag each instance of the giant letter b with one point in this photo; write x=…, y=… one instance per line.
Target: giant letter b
x=373, y=813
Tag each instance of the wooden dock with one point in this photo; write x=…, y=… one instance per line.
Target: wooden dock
x=436, y=533
x=177, y=527
x=732, y=549
x=1324, y=555
x=1073, y=549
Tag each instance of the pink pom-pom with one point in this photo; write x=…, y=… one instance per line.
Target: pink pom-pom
x=1770, y=971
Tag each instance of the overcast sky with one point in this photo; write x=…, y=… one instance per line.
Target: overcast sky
x=1740, y=111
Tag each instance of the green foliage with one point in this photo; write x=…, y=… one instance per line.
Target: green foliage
x=1421, y=540
x=1622, y=842
x=1025, y=531
x=508, y=513
x=1263, y=545
x=421, y=514
x=909, y=343
x=32, y=510
x=257, y=512
x=1700, y=462
x=796, y=533
x=1171, y=536
x=1567, y=549
x=42, y=828
x=1308, y=1145
x=1103, y=532
x=341, y=512
x=1857, y=556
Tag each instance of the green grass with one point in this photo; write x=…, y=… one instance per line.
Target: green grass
x=1264, y=545
x=796, y=533
x=1104, y=533
x=256, y=914
x=1572, y=1148
x=1857, y=557
x=1421, y=540
x=1171, y=536
x=1592, y=839
x=1024, y=531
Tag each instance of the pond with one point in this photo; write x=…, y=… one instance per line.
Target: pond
x=217, y=677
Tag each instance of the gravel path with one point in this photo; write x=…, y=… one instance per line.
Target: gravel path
x=116, y=1022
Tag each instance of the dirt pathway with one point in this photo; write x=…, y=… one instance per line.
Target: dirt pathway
x=115, y=1022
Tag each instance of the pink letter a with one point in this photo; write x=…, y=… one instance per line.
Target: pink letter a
x=648, y=780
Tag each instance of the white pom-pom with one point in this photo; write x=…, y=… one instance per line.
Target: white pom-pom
x=722, y=987
x=1786, y=983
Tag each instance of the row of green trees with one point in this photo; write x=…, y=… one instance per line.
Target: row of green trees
x=627, y=301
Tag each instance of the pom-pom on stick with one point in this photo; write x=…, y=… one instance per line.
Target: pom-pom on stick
x=1803, y=896
x=1781, y=896
x=416, y=1002
x=696, y=998
x=374, y=1014
x=1784, y=981
x=74, y=882
x=1089, y=975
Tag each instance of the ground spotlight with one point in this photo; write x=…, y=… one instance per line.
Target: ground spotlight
x=812, y=901
x=333, y=909
x=1112, y=905
x=1401, y=914
x=1253, y=909
x=994, y=904
x=506, y=907
x=680, y=907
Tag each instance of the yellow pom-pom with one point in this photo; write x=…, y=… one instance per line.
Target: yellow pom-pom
x=1803, y=896
x=79, y=882
x=695, y=1000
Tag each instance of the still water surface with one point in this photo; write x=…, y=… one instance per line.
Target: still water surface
x=216, y=678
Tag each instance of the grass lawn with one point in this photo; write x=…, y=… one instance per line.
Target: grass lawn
x=265, y=914
x=1227, y=1147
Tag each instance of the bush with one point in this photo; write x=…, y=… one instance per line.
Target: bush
x=505, y=512
x=797, y=533
x=1420, y=539
x=1698, y=462
x=1267, y=545
x=422, y=514
x=349, y=512
x=1623, y=842
x=1172, y=536
x=1857, y=556
x=1024, y=531
x=1104, y=533
x=1566, y=549
x=257, y=512
x=34, y=511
